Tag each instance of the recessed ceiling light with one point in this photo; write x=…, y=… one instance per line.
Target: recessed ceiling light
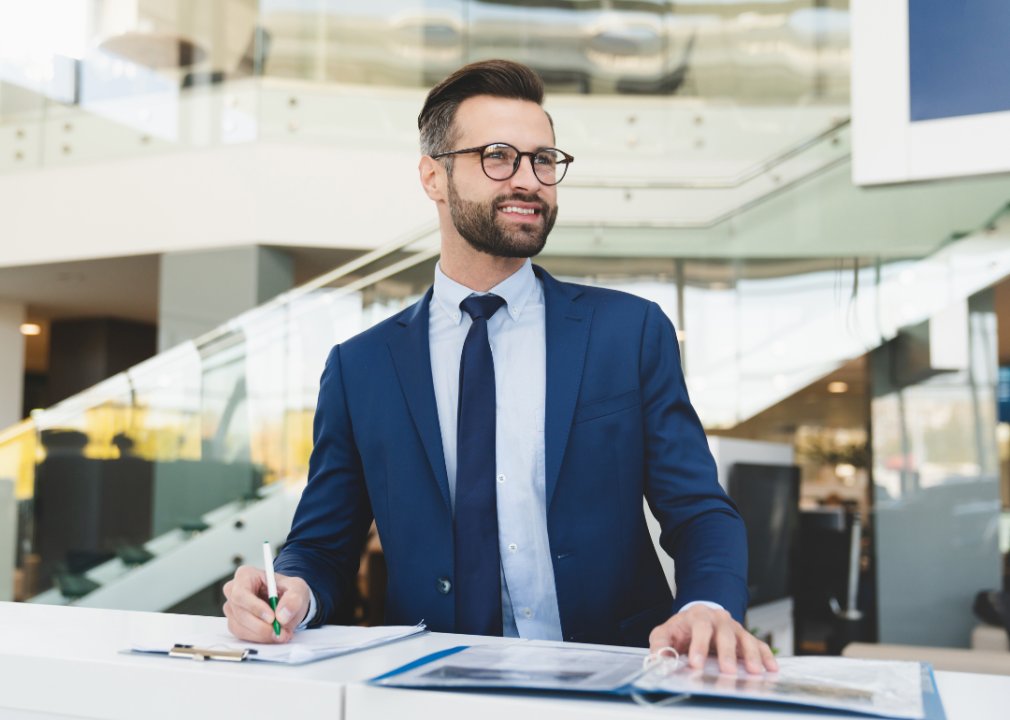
x=31, y=329
x=838, y=387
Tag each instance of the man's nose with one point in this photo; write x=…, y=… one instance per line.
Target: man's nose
x=525, y=178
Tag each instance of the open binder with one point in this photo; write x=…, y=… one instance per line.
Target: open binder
x=890, y=689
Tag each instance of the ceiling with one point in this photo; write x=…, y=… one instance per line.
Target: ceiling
x=813, y=406
x=122, y=287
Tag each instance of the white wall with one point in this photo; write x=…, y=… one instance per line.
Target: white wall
x=12, y=362
x=250, y=194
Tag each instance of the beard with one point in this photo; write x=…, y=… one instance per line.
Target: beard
x=479, y=224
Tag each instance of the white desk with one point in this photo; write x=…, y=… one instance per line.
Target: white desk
x=59, y=662
x=69, y=662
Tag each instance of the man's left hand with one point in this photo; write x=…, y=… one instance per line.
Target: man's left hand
x=699, y=631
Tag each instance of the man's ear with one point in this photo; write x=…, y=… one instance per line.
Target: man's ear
x=432, y=177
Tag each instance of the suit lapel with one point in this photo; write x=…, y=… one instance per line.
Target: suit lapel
x=567, y=332
x=412, y=359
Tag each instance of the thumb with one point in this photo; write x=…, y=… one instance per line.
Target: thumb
x=292, y=604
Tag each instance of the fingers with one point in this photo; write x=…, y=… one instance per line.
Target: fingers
x=293, y=603
x=675, y=633
x=699, y=630
x=750, y=651
x=725, y=645
x=701, y=641
x=768, y=657
x=245, y=593
x=247, y=627
x=249, y=616
x=660, y=637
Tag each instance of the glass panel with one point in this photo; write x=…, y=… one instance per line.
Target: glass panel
x=936, y=479
x=779, y=51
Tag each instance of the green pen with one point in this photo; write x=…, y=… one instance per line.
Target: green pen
x=268, y=565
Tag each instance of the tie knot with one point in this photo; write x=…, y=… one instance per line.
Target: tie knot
x=481, y=306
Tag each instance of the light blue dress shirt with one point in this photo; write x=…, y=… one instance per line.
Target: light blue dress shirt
x=517, y=334
x=519, y=348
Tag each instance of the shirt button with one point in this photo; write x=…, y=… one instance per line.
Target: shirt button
x=528, y=613
x=455, y=316
x=513, y=547
x=501, y=479
x=515, y=311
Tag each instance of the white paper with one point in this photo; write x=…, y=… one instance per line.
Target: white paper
x=879, y=687
x=307, y=645
x=525, y=666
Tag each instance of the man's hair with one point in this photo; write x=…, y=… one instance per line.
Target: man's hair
x=498, y=78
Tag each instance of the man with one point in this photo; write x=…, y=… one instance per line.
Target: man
x=503, y=431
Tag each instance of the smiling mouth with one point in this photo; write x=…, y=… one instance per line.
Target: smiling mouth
x=519, y=212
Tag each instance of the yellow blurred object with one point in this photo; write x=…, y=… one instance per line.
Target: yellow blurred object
x=18, y=449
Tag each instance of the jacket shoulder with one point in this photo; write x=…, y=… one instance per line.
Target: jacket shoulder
x=617, y=302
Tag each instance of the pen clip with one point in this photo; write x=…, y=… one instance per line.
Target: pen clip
x=211, y=653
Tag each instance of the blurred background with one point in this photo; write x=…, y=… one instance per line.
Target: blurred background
x=199, y=199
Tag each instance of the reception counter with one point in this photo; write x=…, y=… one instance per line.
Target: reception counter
x=65, y=662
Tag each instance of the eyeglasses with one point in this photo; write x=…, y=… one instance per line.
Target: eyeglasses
x=500, y=161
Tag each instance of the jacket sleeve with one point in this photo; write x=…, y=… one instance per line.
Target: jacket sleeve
x=333, y=517
x=701, y=529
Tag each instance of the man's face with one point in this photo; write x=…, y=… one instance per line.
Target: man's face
x=504, y=218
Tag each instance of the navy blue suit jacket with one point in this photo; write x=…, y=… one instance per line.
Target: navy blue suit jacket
x=619, y=425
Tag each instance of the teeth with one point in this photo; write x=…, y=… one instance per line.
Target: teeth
x=521, y=211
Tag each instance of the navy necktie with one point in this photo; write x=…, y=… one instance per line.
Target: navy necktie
x=478, y=578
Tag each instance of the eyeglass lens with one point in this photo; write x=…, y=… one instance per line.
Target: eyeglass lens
x=499, y=163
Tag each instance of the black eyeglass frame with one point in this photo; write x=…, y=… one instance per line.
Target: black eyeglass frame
x=569, y=159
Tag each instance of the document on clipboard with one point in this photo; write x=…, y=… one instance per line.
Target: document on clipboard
x=306, y=646
x=890, y=689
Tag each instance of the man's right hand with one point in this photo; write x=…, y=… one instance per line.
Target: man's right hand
x=248, y=611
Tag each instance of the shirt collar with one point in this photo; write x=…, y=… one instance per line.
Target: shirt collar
x=515, y=290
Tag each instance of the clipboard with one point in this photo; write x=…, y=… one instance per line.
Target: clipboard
x=307, y=646
x=211, y=653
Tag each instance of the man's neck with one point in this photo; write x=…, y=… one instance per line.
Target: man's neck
x=476, y=270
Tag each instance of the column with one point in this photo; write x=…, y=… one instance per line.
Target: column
x=201, y=290
x=12, y=375
x=12, y=363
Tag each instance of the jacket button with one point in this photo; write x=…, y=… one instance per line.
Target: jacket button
x=444, y=586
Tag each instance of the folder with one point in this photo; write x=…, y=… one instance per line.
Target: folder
x=306, y=646
x=890, y=689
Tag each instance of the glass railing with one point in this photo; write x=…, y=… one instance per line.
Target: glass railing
x=639, y=161
x=194, y=433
